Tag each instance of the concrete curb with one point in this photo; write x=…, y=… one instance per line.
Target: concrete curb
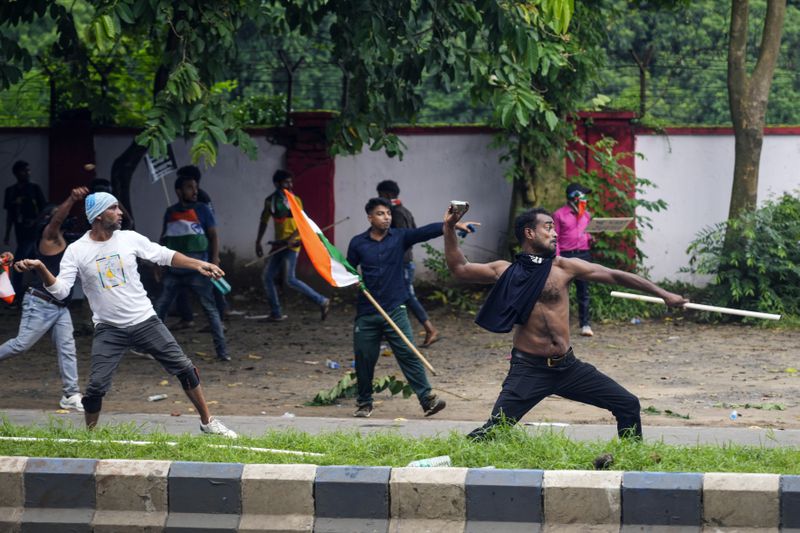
x=56, y=495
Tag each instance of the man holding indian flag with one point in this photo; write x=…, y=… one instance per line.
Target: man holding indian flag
x=381, y=306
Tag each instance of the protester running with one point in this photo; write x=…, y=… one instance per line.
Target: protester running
x=285, y=248
x=105, y=261
x=532, y=293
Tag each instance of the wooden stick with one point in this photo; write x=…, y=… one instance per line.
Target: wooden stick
x=457, y=395
x=699, y=307
x=282, y=248
x=398, y=331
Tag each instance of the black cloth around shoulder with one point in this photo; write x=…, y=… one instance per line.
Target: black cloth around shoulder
x=513, y=296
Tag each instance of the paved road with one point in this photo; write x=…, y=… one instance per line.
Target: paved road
x=257, y=425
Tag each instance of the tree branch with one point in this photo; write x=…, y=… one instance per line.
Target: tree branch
x=770, y=46
x=737, y=51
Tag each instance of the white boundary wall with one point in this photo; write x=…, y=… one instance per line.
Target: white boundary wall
x=694, y=175
x=237, y=186
x=435, y=169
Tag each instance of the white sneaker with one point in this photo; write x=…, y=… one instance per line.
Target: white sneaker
x=215, y=427
x=586, y=331
x=73, y=402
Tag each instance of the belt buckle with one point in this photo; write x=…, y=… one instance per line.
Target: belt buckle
x=555, y=361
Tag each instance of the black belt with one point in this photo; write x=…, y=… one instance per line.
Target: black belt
x=552, y=361
x=46, y=297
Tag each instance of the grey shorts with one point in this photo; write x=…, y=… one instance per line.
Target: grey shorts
x=110, y=344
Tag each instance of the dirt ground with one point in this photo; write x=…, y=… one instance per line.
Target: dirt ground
x=696, y=372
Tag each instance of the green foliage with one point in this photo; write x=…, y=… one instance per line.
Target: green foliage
x=611, y=181
x=456, y=296
x=686, y=76
x=260, y=110
x=512, y=448
x=387, y=50
x=347, y=387
x=759, y=268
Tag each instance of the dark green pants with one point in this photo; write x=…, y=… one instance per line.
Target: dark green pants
x=367, y=334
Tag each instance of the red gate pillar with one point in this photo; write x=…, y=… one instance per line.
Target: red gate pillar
x=592, y=127
x=308, y=158
x=71, y=147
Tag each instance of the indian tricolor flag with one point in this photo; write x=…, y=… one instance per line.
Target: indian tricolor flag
x=184, y=231
x=6, y=289
x=326, y=258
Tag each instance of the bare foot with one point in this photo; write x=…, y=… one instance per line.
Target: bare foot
x=431, y=336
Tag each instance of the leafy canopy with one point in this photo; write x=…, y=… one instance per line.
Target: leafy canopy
x=385, y=50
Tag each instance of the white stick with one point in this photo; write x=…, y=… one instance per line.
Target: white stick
x=699, y=307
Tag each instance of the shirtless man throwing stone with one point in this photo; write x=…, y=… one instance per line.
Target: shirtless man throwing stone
x=532, y=293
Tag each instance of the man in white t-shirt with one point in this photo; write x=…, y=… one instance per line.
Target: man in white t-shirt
x=105, y=260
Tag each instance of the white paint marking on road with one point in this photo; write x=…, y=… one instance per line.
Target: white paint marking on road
x=168, y=443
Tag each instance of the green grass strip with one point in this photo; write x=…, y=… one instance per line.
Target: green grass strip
x=511, y=448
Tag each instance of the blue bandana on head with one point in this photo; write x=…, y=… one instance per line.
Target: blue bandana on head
x=97, y=203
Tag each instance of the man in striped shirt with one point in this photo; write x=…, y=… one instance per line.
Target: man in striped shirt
x=285, y=248
x=190, y=228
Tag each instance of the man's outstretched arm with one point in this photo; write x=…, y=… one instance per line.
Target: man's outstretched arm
x=57, y=286
x=461, y=268
x=600, y=274
x=205, y=268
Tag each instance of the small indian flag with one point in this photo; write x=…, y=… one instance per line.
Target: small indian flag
x=6, y=289
x=326, y=258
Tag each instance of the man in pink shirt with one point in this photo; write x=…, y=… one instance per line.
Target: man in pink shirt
x=570, y=223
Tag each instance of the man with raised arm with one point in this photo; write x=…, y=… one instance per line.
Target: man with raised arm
x=43, y=313
x=105, y=260
x=532, y=294
x=379, y=253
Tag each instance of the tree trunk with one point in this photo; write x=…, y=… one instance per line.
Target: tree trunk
x=122, y=172
x=748, y=96
x=125, y=164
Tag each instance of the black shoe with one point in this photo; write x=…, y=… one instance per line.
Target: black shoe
x=433, y=405
x=478, y=434
x=224, y=358
x=363, y=411
x=324, y=309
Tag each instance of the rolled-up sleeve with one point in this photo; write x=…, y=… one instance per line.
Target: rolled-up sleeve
x=67, y=272
x=150, y=251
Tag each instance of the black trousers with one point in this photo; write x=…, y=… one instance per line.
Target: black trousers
x=581, y=287
x=530, y=380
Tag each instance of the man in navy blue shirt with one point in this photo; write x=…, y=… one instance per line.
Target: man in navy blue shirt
x=379, y=252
